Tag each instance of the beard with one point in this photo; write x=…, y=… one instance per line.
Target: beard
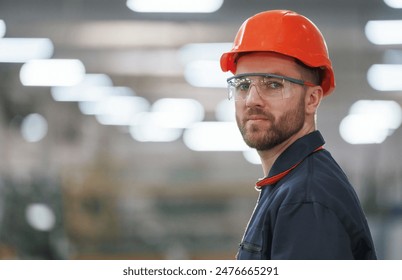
x=281, y=128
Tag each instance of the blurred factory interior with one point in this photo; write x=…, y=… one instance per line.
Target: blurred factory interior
x=130, y=151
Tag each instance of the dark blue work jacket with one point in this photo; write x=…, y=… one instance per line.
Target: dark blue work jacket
x=307, y=209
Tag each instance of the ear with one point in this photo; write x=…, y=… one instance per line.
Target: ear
x=313, y=98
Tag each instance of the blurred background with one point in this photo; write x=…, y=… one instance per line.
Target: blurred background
x=117, y=141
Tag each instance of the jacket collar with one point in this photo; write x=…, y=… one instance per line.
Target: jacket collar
x=292, y=157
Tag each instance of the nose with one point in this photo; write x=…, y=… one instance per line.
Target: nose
x=253, y=97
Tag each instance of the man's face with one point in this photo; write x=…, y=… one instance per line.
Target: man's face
x=266, y=123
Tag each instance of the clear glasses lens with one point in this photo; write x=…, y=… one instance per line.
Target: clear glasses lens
x=267, y=87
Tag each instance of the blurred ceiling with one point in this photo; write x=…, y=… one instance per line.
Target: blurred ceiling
x=155, y=190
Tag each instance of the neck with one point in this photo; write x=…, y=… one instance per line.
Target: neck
x=268, y=157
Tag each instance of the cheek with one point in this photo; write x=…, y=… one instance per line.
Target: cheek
x=239, y=106
x=239, y=111
x=239, y=119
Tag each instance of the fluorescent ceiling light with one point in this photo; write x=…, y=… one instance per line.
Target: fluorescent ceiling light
x=387, y=111
x=147, y=128
x=52, y=72
x=178, y=112
x=34, y=128
x=397, y=4
x=214, y=136
x=205, y=51
x=252, y=156
x=384, y=32
x=362, y=129
x=202, y=66
x=370, y=121
x=2, y=28
x=102, y=100
x=40, y=216
x=116, y=110
x=385, y=77
x=98, y=100
x=91, y=88
x=174, y=6
x=89, y=94
x=205, y=73
x=225, y=111
x=19, y=50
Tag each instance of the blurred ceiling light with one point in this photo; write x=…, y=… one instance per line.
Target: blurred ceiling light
x=146, y=128
x=385, y=77
x=362, y=129
x=2, y=28
x=118, y=110
x=214, y=136
x=85, y=90
x=206, y=51
x=202, y=68
x=174, y=6
x=34, y=128
x=388, y=111
x=225, y=111
x=205, y=73
x=52, y=72
x=252, y=156
x=370, y=121
x=178, y=112
x=94, y=100
x=397, y=4
x=19, y=50
x=40, y=216
x=384, y=32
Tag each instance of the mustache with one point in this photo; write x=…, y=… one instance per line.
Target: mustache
x=255, y=111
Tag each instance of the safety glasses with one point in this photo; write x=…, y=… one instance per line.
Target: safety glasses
x=268, y=86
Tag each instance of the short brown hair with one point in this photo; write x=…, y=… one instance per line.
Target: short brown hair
x=311, y=74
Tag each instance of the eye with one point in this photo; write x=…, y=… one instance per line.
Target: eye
x=272, y=83
x=241, y=85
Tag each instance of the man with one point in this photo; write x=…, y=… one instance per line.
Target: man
x=307, y=208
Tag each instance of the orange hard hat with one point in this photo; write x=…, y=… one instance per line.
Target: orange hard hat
x=287, y=33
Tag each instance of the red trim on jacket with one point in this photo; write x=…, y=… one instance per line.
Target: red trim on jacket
x=274, y=179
